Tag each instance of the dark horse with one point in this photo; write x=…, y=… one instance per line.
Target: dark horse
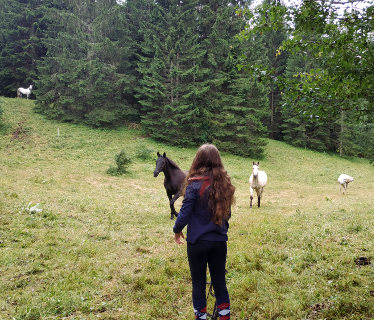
x=174, y=178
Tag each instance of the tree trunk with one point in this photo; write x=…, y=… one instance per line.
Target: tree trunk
x=272, y=113
x=341, y=138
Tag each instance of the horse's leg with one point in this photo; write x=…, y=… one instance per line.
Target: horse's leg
x=259, y=195
x=258, y=198
x=172, y=201
x=173, y=211
x=170, y=195
x=251, y=192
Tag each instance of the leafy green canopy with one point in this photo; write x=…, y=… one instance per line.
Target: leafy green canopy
x=327, y=95
x=342, y=45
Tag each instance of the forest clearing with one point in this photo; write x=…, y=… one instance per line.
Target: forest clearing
x=101, y=247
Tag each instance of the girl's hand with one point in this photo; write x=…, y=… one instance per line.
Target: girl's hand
x=178, y=237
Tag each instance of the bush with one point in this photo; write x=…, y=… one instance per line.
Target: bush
x=143, y=152
x=122, y=161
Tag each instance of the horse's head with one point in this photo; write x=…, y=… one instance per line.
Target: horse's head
x=256, y=166
x=30, y=88
x=160, y=164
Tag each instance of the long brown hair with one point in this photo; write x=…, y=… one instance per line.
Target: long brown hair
x=208, y=162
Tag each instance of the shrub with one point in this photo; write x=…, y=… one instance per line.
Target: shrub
x=143, y=152
x=122, y=161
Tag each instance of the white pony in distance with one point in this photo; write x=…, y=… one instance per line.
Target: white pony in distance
x=257, y=181
x=23, y=91
x=343, y=180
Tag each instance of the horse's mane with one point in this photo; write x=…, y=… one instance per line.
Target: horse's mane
x=172, y=163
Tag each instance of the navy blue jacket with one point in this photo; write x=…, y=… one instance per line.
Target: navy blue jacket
x=196, y=214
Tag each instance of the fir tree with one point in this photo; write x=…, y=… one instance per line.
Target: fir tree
x=276, y=60
x=234, y=103
x=22, y=30
x=301, y=128
x=80, y=77
x=170, y=65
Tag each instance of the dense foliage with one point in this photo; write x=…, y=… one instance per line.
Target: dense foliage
x=83, y=76
x=179, y=69
x=327, y=86
x=122, y=161
x=21, y=43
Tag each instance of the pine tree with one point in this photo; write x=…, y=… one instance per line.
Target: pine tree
x=191, y=90
x=276, y=61
x=22, y=30
x=82, y=77
x=234, y=103
x=171, y=71
x=136, y=14
x=301, y=128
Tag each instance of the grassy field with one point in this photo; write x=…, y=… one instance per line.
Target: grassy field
x=102, y=246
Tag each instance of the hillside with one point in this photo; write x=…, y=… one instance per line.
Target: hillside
x=102, y=247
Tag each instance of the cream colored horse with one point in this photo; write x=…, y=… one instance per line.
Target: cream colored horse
x=343, y=180
x=257, y=181
x=23, y=91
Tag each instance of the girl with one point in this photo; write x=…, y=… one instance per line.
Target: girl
x=206, y=209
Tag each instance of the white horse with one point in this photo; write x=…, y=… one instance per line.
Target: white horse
x=343, y=180
x=23, y=91
x=257, y=181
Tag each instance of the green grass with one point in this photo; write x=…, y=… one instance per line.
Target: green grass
x=102, y=248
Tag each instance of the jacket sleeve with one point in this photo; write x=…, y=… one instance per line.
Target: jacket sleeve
x=187, y=207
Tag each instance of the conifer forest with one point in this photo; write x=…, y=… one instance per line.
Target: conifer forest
x=229, y=72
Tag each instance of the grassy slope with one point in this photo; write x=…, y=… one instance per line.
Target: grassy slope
x=103, y=248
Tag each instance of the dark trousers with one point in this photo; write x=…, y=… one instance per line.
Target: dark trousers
x=213, y=254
